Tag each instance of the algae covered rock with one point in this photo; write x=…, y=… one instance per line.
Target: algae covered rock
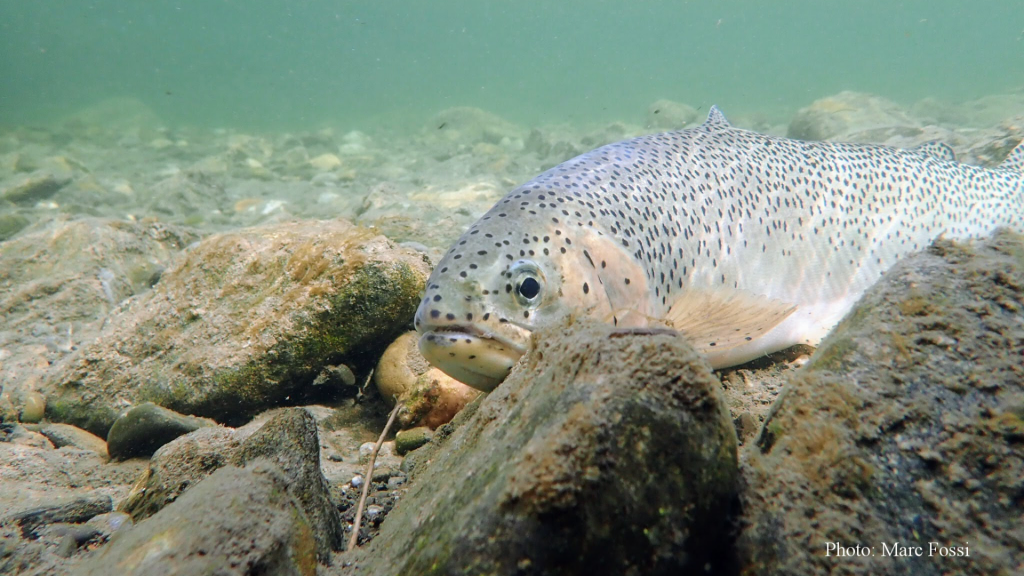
x=904, y=431
x=605, y=451
x=243, y=321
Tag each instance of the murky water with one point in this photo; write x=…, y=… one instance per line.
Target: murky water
x=297, y=65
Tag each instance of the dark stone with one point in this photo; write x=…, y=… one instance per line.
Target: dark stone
x=906, y=426
x=235, y=522
x=146, y=427
x=73, y=511
x=596, y=455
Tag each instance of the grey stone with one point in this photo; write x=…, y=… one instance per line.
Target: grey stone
x=74, y=511
x=605, y=451
x=235, y=522
x=905, y=427
x=146, y=427
x=289, y=440
x=67, y=435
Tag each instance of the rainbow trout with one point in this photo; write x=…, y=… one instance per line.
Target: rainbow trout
x=744, y=243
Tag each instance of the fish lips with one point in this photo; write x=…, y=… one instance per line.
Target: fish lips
x=472, y=356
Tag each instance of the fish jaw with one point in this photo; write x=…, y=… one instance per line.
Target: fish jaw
x=476, y=358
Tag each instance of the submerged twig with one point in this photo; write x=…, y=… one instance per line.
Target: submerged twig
x=361, y=389
x=368, y=478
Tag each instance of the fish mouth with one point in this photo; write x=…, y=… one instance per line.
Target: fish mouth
x=476, y=357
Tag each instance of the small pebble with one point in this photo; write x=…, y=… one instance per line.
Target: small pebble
x=746, y=426
x=33, y=407
x=408, y=440
x=356, y=481
x=373, y=511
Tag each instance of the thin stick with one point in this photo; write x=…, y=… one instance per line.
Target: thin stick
x=368, y=478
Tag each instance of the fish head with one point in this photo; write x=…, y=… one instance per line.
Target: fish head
x=508, y=276
x=482, y=301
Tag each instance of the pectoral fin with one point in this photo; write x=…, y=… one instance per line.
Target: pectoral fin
x=717, y=320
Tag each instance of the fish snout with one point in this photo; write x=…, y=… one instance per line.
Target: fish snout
x=476, y=359
x=438, y=312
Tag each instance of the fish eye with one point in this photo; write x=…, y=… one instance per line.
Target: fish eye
x=527, y=282
x=529, y=288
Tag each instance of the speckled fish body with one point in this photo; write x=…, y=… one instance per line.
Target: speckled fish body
x=745, y=243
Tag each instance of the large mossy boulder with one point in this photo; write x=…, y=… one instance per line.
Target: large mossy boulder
x=244, y=321
x=902, y=441
x=605, y=452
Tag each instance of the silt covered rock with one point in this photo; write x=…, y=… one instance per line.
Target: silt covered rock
x=289, y=440
x=904, y=432
x=606, y=451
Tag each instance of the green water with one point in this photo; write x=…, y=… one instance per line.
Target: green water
x=297, y=65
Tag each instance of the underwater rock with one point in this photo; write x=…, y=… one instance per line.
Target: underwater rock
x=430, y=397
x=33, y=406
x=669, y=115
x=289, y=440
x=239, y=521
x=59, y=281
x=408, y=440
x=34, y=187
x=852, y=117
x=468, y=125
x=177, y=466
x=74, y=510
x=605, y=451
x=61, y=435
x=11, y=223
x=245, y=321
x=905, y=427
x=993, y=109
x=325, y=162
x=146, y=427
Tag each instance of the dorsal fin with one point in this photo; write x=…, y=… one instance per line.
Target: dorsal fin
x=936, y=149
x=716, y=119
x=1015, y=161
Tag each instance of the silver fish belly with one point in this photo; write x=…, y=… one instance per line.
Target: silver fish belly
x=745, y=243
